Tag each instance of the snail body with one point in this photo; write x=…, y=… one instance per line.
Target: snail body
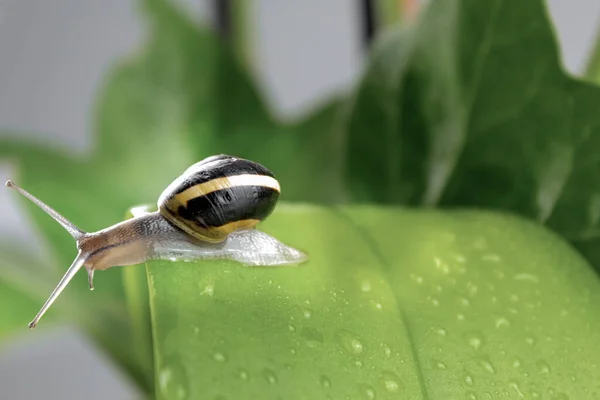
x=199, y=210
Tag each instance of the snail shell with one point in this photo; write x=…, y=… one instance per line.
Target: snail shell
x=220, y=195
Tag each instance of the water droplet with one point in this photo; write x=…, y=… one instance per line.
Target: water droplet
x=440, y=331
x=470, y=396
x=293, y=351
x=390, y=381
x=469, y=380
x=472, y=288
x=307, y=314
x=270, y=376
x=164, y=377
x=543, y=367
x=292, y=328
x=491, y=257
x=417, y=278
x=349, y=342
x=530, y=340
x=365, y=286
x=172, y=381
x=208, y=290
x=441, y=265
x=196, y=330
x=366, y=391
x=440, y=365
x=514, y=385
x=474, y=341
x=386, y=350
x=516, y=362
x=435, y=302
x=243, y=374
x=358, y=363
x=313, y=337
x=460, y=317
x=325, y=382
x=488, y=395
x=502, y=321
x=465, y=302
x=488, y=366
x=526, y=278
x=219, y=357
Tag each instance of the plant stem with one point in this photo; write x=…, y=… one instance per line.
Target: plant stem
x=592, y=69
x=367, y=8
x=231, y=23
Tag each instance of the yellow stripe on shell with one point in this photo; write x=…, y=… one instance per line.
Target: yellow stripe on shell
x=226, y=182
x=224, y=230
x=216, y=234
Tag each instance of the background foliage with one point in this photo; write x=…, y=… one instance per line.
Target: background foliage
x=467, y=108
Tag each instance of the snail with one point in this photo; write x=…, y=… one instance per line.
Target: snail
x=210, y=211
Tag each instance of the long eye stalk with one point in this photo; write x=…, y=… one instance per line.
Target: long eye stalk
x=68, y=225
x=73, y=269
x=79, y=261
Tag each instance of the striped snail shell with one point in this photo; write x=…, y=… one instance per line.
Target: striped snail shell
x=220, y=195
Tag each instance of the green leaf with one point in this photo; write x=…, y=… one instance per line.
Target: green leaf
x=472, y=108
x=393, y=303
x=17, y=314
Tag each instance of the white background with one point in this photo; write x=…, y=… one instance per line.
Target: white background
x=52, y=58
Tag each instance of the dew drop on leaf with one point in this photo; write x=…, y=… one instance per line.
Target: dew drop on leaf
x=219, y=357
x=390, y=382
x=325, y=382
x=386, y=350
x=270, y=376
x=470, y=396
x=367, y=392
x=526, y=278
x=474, y=340
x=488, y=366
x=313, y=337
x=243, y=374
x=469, y=381
x=543, y=367
x=515, y=386
x=530, y=340
x=365, y=286
x=350, y=342
x=501, y=321
x=172, y=381
x=440, y=331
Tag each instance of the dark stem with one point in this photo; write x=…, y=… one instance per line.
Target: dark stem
x=222, y=11
x=367, y=8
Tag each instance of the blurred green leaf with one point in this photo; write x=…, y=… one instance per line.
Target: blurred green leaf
x=18, y=307
x=393, y=303
x=472, y=108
